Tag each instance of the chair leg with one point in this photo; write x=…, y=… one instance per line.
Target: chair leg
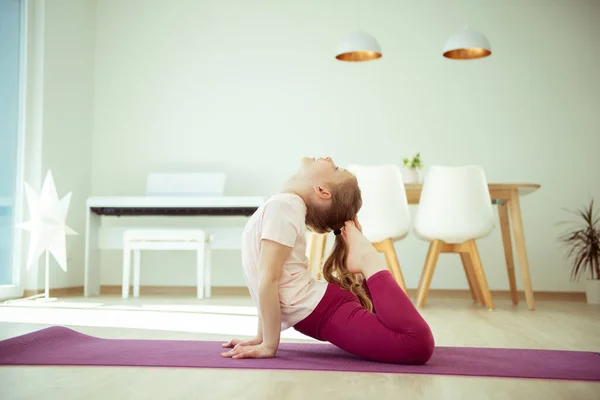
x=207, y=266
x=420, y=282
x=136, y=272
x=479, y=273
x=200, y=270
x=471, y=279
x=432, y=257
x=310, y=250
x=393, y=264
x=422, y=275
x=126, y=271
x=319, y=247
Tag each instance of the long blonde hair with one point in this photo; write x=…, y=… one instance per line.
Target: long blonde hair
x=346, y=201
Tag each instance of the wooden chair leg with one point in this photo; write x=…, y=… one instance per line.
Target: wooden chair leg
x=471, y=279
x=310, y=250
x=421, y=280
x=321, y=241
x=483, y=285
x=508, y=253
x=432, y=257
x=316, y=252
x=393, y=264
x=387, y=248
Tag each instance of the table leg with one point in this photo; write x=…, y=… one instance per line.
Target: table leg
x=508, y=253
x=514, y=207
x=91, y=283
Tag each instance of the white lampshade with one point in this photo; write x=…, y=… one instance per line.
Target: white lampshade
x=467, y=45
x=358, y=46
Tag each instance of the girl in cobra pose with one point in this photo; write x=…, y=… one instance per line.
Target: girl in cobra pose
x=360, y=308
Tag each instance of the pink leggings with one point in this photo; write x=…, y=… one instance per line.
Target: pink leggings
x=395, y=332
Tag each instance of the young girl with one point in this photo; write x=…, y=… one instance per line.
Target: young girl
x=371, y=318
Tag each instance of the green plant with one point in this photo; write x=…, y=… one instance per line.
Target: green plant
x=583, y=243
x=414, y=162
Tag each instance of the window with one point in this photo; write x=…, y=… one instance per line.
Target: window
x=11, y=34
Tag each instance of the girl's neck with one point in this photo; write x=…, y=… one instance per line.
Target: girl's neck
x=294, y=187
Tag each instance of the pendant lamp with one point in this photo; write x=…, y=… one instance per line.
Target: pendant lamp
x=358, y=46
x=468, y=44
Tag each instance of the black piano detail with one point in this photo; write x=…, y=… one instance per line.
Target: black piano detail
x=172, y=211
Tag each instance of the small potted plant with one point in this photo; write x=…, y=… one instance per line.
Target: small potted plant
x=583, y=250
x=412, y=166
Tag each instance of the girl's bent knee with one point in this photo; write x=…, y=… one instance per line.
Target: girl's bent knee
x=423, y=352
x=418, y=349
x=425, y=345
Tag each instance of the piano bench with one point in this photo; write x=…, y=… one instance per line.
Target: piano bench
x=155, y=239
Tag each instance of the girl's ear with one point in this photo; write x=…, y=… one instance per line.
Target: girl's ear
x=322, y=193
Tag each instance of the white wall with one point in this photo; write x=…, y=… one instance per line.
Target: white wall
x=60, y=117
x=249, y=87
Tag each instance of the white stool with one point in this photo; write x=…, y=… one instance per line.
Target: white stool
x=166, y=239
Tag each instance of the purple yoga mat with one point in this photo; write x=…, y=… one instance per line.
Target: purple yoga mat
x=63, y=346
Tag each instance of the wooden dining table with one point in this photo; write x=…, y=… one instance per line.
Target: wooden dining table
x=507, y=197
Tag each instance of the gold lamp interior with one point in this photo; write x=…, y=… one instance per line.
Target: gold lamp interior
x=356, y=56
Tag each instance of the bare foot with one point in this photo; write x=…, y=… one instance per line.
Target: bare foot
x=362, y=256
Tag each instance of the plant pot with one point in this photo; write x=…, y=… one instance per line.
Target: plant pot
x=411, y=175
x=592, y=291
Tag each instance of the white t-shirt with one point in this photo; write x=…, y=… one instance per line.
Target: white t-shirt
x=282, y=219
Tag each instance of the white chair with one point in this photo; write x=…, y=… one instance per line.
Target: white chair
x=167, y=239
x=454, y=211
x=384, y=216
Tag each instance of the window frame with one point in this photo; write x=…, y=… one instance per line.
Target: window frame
x=16, y=288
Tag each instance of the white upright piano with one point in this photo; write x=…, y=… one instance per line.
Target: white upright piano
x=167, y=194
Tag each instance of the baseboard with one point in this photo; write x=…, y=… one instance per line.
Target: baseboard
x=59, y=292
x=501, y=295
x=190, y=291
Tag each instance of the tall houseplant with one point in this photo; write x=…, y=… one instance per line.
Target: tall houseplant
x=412, y=166
x=583, y=250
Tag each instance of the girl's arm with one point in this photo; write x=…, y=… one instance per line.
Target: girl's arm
x=271, y=260
x=259, y=334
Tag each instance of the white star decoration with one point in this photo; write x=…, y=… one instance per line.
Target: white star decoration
x=47, y=224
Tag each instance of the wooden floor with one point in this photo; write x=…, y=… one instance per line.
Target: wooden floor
x=569, y=325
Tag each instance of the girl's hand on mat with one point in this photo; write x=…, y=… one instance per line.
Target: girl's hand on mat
x=253, y=351
x=239, y=342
